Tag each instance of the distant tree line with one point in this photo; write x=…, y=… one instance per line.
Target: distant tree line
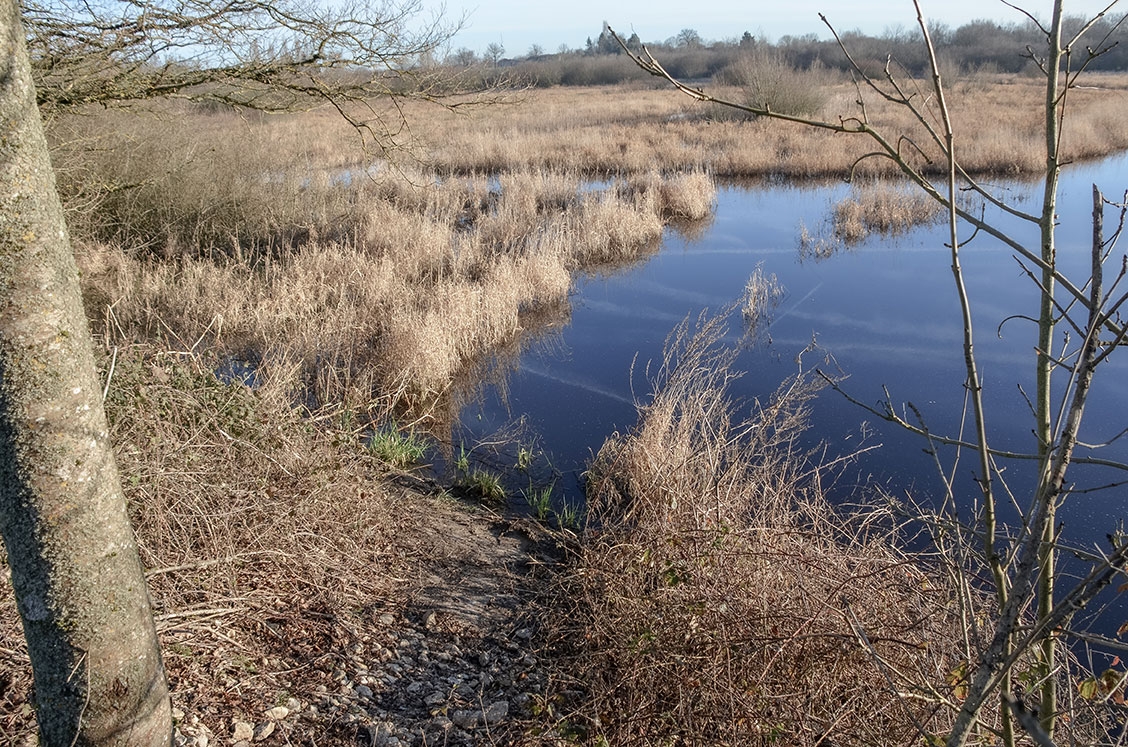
x=978, y=46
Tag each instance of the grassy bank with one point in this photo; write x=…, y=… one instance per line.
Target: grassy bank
x=718, y=598
x=339, y=283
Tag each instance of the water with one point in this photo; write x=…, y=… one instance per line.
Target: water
x=885, y=312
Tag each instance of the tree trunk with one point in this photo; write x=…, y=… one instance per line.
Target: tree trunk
x=1047, y=559
x=79, y=586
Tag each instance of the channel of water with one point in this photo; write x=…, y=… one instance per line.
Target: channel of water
x=884, y=310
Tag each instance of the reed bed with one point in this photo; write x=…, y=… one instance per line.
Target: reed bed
x=637, y=129
x=883, y=207
x=372, y=287
x=719, y=598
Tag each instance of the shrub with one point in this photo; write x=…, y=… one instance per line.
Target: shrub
x=720, y=599
x=769, y=82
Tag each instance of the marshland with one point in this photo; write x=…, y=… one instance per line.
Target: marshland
x=601, y=310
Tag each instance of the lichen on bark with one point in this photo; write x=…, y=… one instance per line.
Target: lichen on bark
x=79, y=585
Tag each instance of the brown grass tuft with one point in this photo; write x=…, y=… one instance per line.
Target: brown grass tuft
x=882, y=207
x=720, y=599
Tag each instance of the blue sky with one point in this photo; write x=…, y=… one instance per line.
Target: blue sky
x=517, y=24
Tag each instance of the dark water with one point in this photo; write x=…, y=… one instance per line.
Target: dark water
x=886, y=310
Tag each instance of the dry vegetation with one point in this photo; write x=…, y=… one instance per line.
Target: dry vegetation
x=336, y=283
x=719, y=599
x=762, y=294
x=379, y=282
x=628, y=130
x=882, y=207
x=268, y=540
x=365, y=283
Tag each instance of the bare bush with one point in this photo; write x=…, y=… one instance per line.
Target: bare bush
x=770, y=82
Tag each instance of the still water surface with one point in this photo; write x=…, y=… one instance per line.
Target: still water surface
x=885, y=310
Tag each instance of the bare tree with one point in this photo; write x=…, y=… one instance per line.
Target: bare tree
x=81, y=593
x=1032, y=612
x=463, y=57
x=276, y=55
x=99, y=679
x=494, y=53
x=688, y=38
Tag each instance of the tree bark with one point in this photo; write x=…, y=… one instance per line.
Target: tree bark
x=99, y=679
x=1047, y=559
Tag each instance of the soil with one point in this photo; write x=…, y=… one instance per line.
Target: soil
x=452, y=657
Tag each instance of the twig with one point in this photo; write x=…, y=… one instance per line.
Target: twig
x=209, y=563
x=110, y=375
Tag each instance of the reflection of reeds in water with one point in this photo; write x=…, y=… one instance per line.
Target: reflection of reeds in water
x=540, y=332
x=817, y=246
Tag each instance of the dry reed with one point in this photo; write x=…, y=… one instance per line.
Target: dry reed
x=882, y=207
x=395, y=282
x=762, y=294
x=720, y=599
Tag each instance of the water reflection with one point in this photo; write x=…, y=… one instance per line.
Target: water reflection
x=885, y=310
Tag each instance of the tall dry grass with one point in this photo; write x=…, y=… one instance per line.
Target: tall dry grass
x=619, y=130
x=762, y=294
x=719, y=598
x=883, y=207
x=335, y=281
